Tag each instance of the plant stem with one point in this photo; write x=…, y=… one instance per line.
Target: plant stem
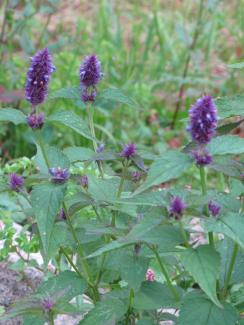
x=92, y=129
x=42, y=147
x=230, y=269
x=165, y=273
x=120, y=189
x=71, y=262
x=187, y=62
x=183, y=232
x=50, y=318
x=131, y=298
x=204, y=192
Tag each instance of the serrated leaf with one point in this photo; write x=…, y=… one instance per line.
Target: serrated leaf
x=203, y=263
x=72, y=121
x=226, y=128
x=231, y=225
x=46, y=201
x=12, y=115
x=230, y=106
x=197, y=308
x=107, y=311
x=87, y=154
x=56, y=158
x=67, y=283
x=170, y=166
x=228, y=167
x=131, y=268
x=116, y=95
x=226, y=144
x=154, y=295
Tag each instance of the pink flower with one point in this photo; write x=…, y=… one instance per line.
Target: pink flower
x=150, y=276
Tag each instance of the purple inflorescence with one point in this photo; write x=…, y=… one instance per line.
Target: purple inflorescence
x=214, y=208
x=177, y=206
x=202, y=157
x=62, y=215
x=128, y=151
x=90, y=75
x=136, y=176
x=16, y=182
x=36, y=121
x=47, y=304
x=59, y=175
x=203, y=120
x=38, y=77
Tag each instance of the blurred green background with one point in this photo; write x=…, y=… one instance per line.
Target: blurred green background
x=163, y=54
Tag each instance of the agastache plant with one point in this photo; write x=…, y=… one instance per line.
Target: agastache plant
x=128, y=230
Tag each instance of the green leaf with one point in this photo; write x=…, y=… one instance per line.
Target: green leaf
x=71, y=120
x=203, y=263
x=226, y=144
x=78, y=153
x=226, y=128
x=30, y=320
x=230, y=106
x=46, y=201
x=228, y=166
x=116, y=95
x=68, y=284
x=231, y=225
x=145, y=321
x=12, y=115
x=154, y=295
x=170, y=166
x=198, y=309
x=225, y=248
x=66, y=93
x=56, y=158
x=237, y=65
x=131, y=268
x=107, y=311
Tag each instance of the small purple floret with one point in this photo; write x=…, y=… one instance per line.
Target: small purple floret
x=100, y=148
x=202, y=157
x=203, y=120
x=90, y=75
x=177, y=206
x=47, y=304
x=128, y=151
x=38, y=76
x=150, y=275
x=16, y=182
x=136, y=176
x=214, y=208
x=62, y=215
x=59, y=175
x=84, y=181
x=36, y=121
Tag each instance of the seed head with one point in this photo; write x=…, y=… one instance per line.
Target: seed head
x=203, y=120
x=59, y=175
x=38, y=76
x=177, y=206
x=202, y=157
x=214, y=208
x=128, y=151
x=36, y=121
x=16, y=182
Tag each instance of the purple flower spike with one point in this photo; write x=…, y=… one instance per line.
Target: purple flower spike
x=214, y=208
x=16, y=182
x=202, y=157
x=150, y=276
x=128, y=151
x=136, y=176
x=38, y=76
x=203, y=120
x=59, y=175
x=36, y=121
x=90, y=75
x=177, y=206
x=47, y=304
